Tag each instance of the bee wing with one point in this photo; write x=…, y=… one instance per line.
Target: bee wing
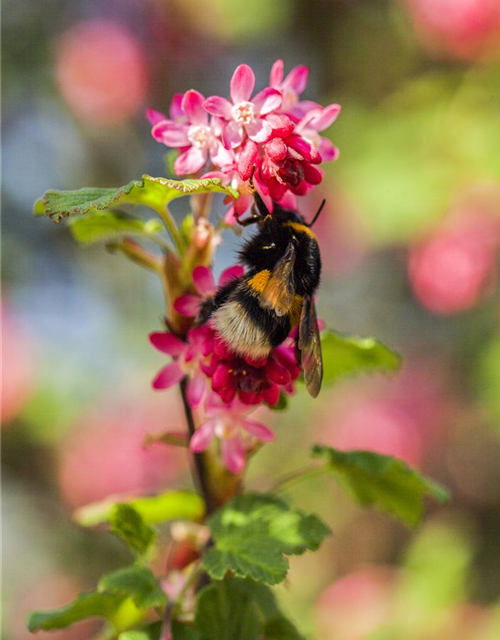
x=279, y=291
x=309, y=345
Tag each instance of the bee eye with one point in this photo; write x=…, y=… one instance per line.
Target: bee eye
x=269, y=246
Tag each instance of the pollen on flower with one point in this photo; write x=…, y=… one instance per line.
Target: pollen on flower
x=198, y=136
x=243, y=112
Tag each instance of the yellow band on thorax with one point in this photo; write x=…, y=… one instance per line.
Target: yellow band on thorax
x=259, y=280
x=301, y=228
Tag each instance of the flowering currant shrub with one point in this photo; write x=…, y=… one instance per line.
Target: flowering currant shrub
x=227, y=544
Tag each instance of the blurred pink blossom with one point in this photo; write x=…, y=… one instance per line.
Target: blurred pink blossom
x=101, y=71
x=459, y=28
x=104, y=455
x=355, y=606
x=18, y=359
x=451, y=270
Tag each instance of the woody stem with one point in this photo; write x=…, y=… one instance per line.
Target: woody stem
x=200, y=473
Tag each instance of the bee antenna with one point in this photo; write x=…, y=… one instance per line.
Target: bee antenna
x=261, y=205
x=316, y=216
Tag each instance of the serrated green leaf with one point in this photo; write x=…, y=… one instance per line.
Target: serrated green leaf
x=98, y=226
x=254, y=532
x=173, y=505
x=149, y=632
x=223, y=602
x=86, y=605
x=129, y=525
x=383, y=481
x=245, y=555
x=138, y=583
x=349, y=355
x=227, y=613
x=151, y=192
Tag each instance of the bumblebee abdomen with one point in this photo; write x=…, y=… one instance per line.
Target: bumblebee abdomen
x=246, y=327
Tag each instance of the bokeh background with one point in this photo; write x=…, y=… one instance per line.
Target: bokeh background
x=410, y=243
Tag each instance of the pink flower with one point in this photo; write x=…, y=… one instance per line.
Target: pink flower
x=253, y=382
x=196, y=137
x=176, y=112
x=290, y=88
x=234, y=429
x=190, y=359
x=288, y=165
x=319, y=120
x=243, y=115
x=188, y=305
x=452, y=269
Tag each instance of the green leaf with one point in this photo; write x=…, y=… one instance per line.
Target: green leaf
x=173, y=505
x=226, y=613
x=138, y=583
x=182, y=631
x=349, y=355
x=130, y=526
x=234, y=609
x=149, y=632
x=109, y=225
x=155, y=193
x=383, y=481
x=252, y=534
x=86, y=605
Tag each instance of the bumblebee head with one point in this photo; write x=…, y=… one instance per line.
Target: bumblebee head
x=263, y=212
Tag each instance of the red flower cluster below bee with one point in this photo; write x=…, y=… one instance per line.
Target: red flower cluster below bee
x=254, y=381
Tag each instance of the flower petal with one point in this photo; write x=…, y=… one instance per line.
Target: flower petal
x=195, y=390
x=297, y=79
x=276, y=149
x=242, y=84
x=218, y=106
x=167, y=343
x=276, y=77
x=259, y=130
x=192, y=105
x=230, y=217
x=327, y=150
x=233, y=454
x=170, y=133
x=232, y=136
x=203, y=280
x=258, y=430
x=324, y=119
x=202, y=437
x=168, y=376
x=190, y=161
x=221, y=156
x=187, y=305
x=247, y=159
x=236, y=271
x=281, y=124
x=176, y=112
x=267, y=100
x=154, y=116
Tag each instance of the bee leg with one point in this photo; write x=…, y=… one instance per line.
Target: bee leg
x=259, y=203
x=251, y=220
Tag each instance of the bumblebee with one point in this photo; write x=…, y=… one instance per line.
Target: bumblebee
x=257, y=311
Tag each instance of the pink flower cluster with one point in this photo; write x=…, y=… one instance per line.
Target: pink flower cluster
x=221, y=385
x=272, y=131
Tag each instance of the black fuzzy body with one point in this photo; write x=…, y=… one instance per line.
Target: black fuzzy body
x=261, y=252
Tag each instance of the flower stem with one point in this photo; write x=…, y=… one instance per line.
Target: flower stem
x=304, y=473
x=170, y=225
x=200, y=473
